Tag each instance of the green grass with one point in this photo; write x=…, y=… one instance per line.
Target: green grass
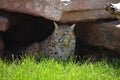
x=29, y=69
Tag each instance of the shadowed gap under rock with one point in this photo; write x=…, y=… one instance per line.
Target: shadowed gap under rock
x=24, y=30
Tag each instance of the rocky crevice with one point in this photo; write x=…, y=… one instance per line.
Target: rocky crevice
x=22, y=24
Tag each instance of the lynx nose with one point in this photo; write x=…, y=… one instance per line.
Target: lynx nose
x=110, y=8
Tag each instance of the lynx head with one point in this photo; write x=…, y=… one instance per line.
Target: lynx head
x=64, y=41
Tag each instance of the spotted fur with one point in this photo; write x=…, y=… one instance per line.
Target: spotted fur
x=59, y=45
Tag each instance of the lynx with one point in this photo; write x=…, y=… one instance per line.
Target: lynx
x=59, y=45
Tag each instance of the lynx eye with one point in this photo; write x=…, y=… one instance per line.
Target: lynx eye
x=65, y=32
x=60, y=40
x=55, y=53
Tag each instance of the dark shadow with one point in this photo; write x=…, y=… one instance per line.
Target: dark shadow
x=23, y=30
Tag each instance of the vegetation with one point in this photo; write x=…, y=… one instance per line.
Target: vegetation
x=29, y=69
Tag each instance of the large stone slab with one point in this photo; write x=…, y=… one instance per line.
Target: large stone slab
x=105, y=34
x=60, y=10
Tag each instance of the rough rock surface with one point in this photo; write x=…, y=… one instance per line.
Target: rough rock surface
x=3, y=23
x=58, y=10
x=1, y=46
x=106, y=34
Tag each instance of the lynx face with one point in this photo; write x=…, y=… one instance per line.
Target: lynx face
x=64, y=42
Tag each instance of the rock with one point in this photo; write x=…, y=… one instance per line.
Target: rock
x=3, y=23
x=1, y=46
x=60, y=10
x=104, y=34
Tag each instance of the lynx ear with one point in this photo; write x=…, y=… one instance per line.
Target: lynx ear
x=56, y=26
x=72, y=27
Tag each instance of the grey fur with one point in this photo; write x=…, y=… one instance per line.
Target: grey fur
x=59, y=45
